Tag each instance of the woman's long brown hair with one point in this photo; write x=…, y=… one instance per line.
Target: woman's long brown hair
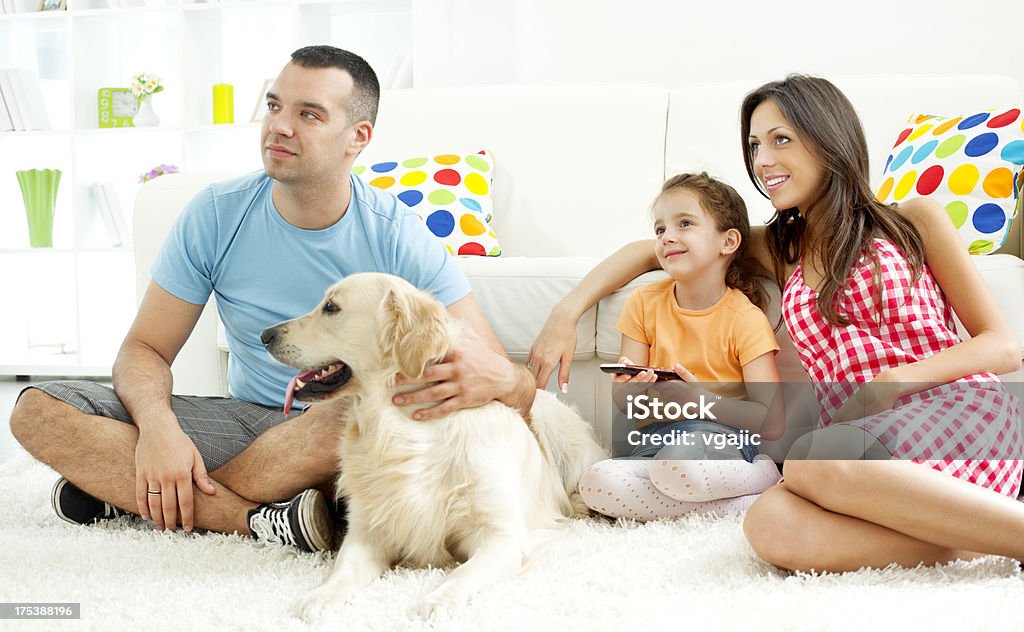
x=847, y=217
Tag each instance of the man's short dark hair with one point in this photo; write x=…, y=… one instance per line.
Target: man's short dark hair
x=366, y=91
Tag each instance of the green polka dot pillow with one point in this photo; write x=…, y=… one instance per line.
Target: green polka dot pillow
x=450, y=192
x=971, y=164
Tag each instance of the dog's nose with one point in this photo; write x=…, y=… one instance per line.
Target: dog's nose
x=267, y=335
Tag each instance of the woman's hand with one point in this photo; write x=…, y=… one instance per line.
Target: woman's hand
x=554, y=346
x=556, y=342
x=878, y=395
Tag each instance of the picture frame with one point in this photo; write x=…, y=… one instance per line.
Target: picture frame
x=116, y=107
x=53, y=5
x=261, y=102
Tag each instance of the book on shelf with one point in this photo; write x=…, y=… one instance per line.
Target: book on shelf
x=6, y=124
x=20, y=91
x=109, y=206
x=29, y=96
x=7, y=92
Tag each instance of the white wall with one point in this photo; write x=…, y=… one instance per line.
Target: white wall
x=677, y=42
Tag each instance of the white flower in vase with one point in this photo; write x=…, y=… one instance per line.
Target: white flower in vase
x=144, y=86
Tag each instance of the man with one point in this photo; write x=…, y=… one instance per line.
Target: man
x=268, y=245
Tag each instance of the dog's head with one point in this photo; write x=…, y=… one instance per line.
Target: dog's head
x=367, y=323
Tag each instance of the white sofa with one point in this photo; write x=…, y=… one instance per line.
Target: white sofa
x=575, y=170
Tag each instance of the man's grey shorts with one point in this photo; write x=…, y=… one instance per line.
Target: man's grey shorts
x=221, y=427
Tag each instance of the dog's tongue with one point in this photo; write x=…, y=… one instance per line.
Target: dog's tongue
x=289, y=395
x=293, y=387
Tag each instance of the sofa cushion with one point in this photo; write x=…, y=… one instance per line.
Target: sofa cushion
x=968, y=163
x=566, y=182
x=451, y=192
x=516, y=295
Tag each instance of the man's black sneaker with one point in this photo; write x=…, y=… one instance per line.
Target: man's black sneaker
x=75, y=506
x=303, y=522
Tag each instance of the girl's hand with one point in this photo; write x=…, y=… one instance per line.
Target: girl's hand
x=683, y=374
x=690, y=393
x=871, y=398
x=645, y=376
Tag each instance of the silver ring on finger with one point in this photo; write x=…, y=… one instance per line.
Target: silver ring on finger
x=153, y=492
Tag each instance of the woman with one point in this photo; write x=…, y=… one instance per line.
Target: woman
x=867, y=295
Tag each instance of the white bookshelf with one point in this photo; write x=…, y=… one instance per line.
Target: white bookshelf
x=68, y=307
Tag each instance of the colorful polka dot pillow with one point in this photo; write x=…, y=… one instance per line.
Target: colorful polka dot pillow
x=971, y=164
x=450, y=192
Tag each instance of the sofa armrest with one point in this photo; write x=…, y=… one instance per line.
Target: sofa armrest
x=1004, y=277
x=517, y=294
x=199, y=368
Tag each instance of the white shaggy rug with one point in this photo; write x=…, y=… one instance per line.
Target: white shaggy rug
x=683, y=575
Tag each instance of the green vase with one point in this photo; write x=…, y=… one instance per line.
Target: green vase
x=39, y=191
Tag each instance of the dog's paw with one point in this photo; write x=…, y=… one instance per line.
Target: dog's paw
x=579, y=508
x=311, y=607
x=439, y=603
x=428, y=609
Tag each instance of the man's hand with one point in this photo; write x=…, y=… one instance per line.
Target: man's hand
x=166, y=461
x=470, y=375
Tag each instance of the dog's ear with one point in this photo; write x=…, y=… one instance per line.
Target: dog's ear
x=415, y=330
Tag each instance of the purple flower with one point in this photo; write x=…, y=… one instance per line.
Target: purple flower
x=157, y=171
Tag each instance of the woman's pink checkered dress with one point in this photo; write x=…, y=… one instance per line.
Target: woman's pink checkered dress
x=974, y=416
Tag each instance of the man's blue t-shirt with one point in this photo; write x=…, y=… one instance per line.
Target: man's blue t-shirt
x=230, y=240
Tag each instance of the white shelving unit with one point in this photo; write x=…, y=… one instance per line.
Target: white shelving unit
x=68, y=307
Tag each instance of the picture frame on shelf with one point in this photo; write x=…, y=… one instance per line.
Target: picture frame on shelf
x=53, y=5
x=116, y=107
x=261, y=102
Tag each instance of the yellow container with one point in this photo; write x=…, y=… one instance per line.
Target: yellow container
x=223, y=104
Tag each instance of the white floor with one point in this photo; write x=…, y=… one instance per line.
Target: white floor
x=9, y=389
x=690, y=574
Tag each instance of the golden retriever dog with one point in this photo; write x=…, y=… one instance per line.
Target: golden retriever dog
x=480, y=486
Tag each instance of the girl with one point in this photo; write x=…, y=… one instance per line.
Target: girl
x=702, y=322
x=867, y=297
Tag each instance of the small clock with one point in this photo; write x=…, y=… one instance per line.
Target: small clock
x=117, y=107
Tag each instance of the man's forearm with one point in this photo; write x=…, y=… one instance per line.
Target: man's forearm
x=143, y=383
